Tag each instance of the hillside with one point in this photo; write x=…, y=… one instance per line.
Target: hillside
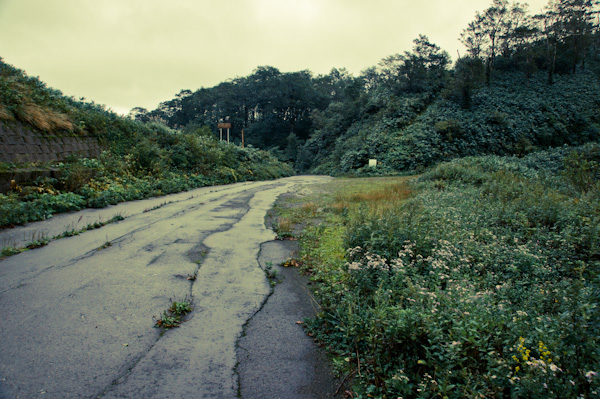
x=527, y=83
x=140, y=159
x=514, y=115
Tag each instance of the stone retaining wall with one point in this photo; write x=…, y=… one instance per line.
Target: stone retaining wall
x=24, y=176
x=20, y=144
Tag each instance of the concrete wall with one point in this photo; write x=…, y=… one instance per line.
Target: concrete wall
x=21, y=144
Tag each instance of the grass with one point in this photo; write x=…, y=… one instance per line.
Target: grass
x=283, y=227
x=328, y=210
x=156, y=207
x=45, y=119
x=106, y=244
x=10, y=251
x=480, y=278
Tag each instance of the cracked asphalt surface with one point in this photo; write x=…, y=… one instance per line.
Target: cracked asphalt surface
x=77, y=315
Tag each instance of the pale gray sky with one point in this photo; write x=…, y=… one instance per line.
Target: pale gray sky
x=128, y=53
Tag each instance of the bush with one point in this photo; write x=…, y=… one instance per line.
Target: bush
x=484, y=284
x=15, y=210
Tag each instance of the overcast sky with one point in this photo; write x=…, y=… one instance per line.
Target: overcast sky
x=129, y=53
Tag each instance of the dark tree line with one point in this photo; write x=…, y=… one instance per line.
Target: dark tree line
x=269, y=106
x=558, y=40
x=302, y=116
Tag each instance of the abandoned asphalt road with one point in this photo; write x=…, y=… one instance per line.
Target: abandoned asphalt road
x=76, y=316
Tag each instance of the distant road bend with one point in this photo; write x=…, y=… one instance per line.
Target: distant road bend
x=76, y=315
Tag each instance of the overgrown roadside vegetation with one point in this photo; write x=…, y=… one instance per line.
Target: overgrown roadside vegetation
x=141, y=160
x=41, y=240
x=479, y=278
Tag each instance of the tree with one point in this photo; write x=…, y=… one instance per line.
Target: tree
x=468, y=75
x=332, y=87
x=493, y=31
x=473, y=37
x=389, y=71
x=515, y=28
x=425, y=67
x=567, y=24
x=421, y=70
x=291, y=150
x=139, y=114
x=524, y=39
x=579, y=26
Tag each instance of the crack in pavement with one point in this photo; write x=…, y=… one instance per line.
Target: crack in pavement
x=198, y=358
x=276, y=359
x=79, y=330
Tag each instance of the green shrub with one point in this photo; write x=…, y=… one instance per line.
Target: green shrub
x=484, y=284
x=38, y=206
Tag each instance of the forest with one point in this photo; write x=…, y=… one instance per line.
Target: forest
x=527, y=82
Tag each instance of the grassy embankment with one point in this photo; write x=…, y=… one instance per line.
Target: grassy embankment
x=141, y=160
x=479, y=278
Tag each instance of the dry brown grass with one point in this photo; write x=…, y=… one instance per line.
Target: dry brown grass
x=284, y=225
x=309, y=208
x=339, y=206
x=377, y=194
x=44, y=119
x=5, y=114
x=397, y=192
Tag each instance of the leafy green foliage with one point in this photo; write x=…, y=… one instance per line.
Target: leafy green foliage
x=14, y=210
x=483, y=284
x=529, y=82
x=167, y=321
x=513, y=115
x=141, y=160
x=112, y=179
x=180, y=308
x=267, y=105
x=173, y=317
x=10, y=251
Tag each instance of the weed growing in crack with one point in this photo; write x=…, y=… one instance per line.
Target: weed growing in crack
x=292, y=262
x=272, y=275
x=180, y=308
x=105, y=245
x=37, y=243
x=42, y=240
x=166, y=321
x=173, y=317
x=157, y=206
x=283, y=228
x=10, y=251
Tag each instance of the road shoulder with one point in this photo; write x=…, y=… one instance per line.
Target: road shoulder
x=276, y=357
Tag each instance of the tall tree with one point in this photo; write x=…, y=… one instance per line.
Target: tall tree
x=579, y=26
x=495, y=31
x=421, y=70
x=469, y=74
x=425, y=67
x=567, y=24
